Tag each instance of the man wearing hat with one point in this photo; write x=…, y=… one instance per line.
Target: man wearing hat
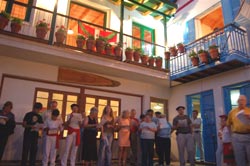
x=183, y=126
x=240, y=132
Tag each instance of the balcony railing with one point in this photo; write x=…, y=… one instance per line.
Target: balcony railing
x=231, y=42
x=55, y=20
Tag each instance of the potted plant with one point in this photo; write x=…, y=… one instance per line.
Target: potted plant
x=173, y=51
x=42, y=28
x=137, y=54
x=167, y=55
x=90, y=43
x=80, y=41
x=108, y=49
x=181, y=48
x=4, y=19
x=16, y=24
x=203, y=55
x=194, y=58
x=118, y=50
x=151, y=61
x=129, y=53
x=144, y=59
x=213, y=52
x=60, y=34
x=158, y=62
x=100, y=44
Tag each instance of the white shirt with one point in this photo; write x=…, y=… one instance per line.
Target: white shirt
x=226, y=135
x=196, y=121
x=47, y=115
x=75, y=120
x=53, y=125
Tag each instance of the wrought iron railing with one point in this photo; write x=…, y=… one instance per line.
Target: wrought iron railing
x=230, y=39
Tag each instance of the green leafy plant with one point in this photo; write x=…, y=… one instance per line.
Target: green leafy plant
x=91, y=37
x=193, y=54
x=129, y=49
x=108, y=45
x=213, y=46
x=17, y=20
x=158, y=57
x=179, y=45
x=80, y=37
x=102, y=39
x=61, y=29
x=42, y=23
x=152, y=57
x=202, y=51
x=5, y=14
x=139, y=50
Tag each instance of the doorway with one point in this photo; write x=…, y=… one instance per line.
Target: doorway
x=204, y=103
x=159, y=105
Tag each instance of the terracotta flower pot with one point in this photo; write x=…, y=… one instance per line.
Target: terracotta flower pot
x=80, y=43
x=41, y=32
x=3, y=22
x=181, y=48
x=158, y=63
x=214, y=53
x=173, y=51
x=60, y=37
x=15, y=27
x=100, y=45
x=118, y=51
x=129, y=55
x=144, y=59
x=90, y=44
x=108, y=50
x=167, y=55
x=195, y=61
x=203, y=57
x=137, y=56
x=151, y=62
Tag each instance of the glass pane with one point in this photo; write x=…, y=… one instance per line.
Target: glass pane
x=57, y=96
x=18, y=11
x=72, y=98
x=90, y=100
x=59, y=105
x=157, y=107
x=68, y=108
x=42, y=94
x=88, y=107
x=234, y=95
x=43, y=101
x=114, y=103
x=115, y=111
x=102, y=102
x=136, y=32
x=65, y=133
x=148, y=36
x=2, y=5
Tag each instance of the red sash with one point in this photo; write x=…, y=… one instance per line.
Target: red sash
x=72, y=130
x=57, y=138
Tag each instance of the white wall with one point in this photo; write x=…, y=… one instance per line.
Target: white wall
x=215, y=83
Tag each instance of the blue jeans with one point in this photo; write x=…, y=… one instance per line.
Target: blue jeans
x=105, y=152
x=147, y=148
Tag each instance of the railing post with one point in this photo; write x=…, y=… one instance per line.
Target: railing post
x=121, y=24
x=53, y=24
x=167, y=62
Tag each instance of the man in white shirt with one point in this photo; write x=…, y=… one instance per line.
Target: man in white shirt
x=196, y=124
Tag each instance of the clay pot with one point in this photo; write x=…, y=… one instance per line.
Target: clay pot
x=195, y=61
x=137, y=56
x=80, y=43
x=90, y=44
x=118, y=51
x=100, y=45
x=167, y=55
x=108, y=50
x=3, y=22
x=144, y=59
x=214, y=53
x=15, y=27
x=129, y=55
x=151, y=62
x=203, y=57
x=41, y=32
x=60, y=37
x=181, y=48
x=158, y=63
x=173, y=51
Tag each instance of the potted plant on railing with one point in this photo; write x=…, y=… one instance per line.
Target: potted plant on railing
x=118, y=50
x=80, y=41
x=213, y=52
x=203, y=55
x=158, y=62
x=16, y=24
x=60, y=34
x=173, y=51
x=181, y=48
x=4, y=19
x=42, y=28
x=137, y=54
x=100, y=44
x=90, y=43
x=167, y=55
x=144, y=59
x=194, y=58
x=151, y=61
x=129, y=54
x=108, y=49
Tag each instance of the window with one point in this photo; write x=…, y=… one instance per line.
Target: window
x=100, y=103
x=64, y=100
x=159, y=105
x=144, y=33
x=18, y=8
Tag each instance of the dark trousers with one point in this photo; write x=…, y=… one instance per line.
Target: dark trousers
x=3, y=142
x=29, y=148
x=147, y=148
x=163, y=150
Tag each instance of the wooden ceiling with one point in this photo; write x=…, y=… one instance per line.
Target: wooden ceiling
x=214, y=19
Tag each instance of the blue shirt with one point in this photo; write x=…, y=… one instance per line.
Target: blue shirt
x=165, y=131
